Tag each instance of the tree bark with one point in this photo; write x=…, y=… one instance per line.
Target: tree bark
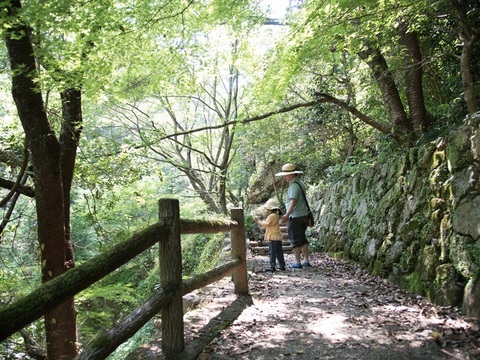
x=19, y=188
x=45, y=150
x=414, y=80
x=231, y=111
x=69, y=139
x=402, y=127
x=469, y=35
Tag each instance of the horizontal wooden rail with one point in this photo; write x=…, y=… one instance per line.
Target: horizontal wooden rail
x=209, y=277
x=46, y=297
x=105, y=343
x=206, y=226
x=167, y=301
x=172, y=342
x=52, y=293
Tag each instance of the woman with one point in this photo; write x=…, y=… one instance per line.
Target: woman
x=296, y=216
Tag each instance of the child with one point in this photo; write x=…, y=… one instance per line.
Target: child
x=272, y=234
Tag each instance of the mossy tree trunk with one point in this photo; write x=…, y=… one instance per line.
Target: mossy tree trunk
x=53, y=162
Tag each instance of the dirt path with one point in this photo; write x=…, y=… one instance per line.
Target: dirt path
x=332, y=311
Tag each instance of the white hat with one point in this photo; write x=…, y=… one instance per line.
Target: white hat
x=288, y=169
x=271, y=204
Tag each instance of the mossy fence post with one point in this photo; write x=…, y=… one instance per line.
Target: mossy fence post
x=170, y=264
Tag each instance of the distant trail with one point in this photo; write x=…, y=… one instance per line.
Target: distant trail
x=334, y=310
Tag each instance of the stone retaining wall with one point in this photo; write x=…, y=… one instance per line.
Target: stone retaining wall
x=414, y=220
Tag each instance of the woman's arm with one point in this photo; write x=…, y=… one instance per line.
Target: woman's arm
x=291, y=206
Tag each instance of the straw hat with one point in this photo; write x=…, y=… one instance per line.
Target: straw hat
x=271, y=204
x=288, y=169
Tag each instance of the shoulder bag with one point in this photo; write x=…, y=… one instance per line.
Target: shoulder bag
x=311, y=220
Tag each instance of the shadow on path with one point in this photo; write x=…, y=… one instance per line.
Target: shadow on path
x=333, y=310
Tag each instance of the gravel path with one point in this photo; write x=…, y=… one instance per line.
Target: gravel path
x=333, y=310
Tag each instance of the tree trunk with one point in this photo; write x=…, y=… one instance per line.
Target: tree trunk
x=402, y=128
x=231, y=112
x=69, y=138
x=45, y=150
x=468, y=34
x=414, y=80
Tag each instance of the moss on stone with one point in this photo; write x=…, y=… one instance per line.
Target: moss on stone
x=471, y=303
x=387, y=242
x=409, y=258
x=354, y=230
x=438, y=182
x=425, y=155
x=429, y=262
x=413, y=282
x=457, y=150
x=394, y=254
x=447, y=289
x=436, y=220
x=405, y=206
x=357, y=249
x=444, y=240
x=378, y=268
x=438, y=158
x=411, y=230
x=337, y=255
x=464, y=255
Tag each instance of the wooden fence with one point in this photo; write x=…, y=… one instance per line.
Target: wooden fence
x=167, y=300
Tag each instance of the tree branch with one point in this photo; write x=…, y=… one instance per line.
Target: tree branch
x=15, y=186
x=24, y=190
x=321, y=98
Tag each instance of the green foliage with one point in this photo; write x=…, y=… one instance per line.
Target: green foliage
x=11, y=137
x=211, y=254
x=321, y=56
x=251, y=227
x=102, y=218
x=141, y=337
x=16, y=281
x=19, y=270
x=192, y=245
x=101, y=306
x=201, y=252
x=112, y=216
x=109, y=300
x=14, y=347
x=315, y=244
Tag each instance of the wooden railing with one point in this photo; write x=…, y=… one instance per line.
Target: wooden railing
x=167, y=299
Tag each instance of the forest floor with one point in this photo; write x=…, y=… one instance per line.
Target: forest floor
x=333, y=310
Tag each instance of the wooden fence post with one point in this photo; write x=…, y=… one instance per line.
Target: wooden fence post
x=239, y=250
x=170, y=265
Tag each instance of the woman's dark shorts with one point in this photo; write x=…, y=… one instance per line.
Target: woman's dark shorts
x=296, y=231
